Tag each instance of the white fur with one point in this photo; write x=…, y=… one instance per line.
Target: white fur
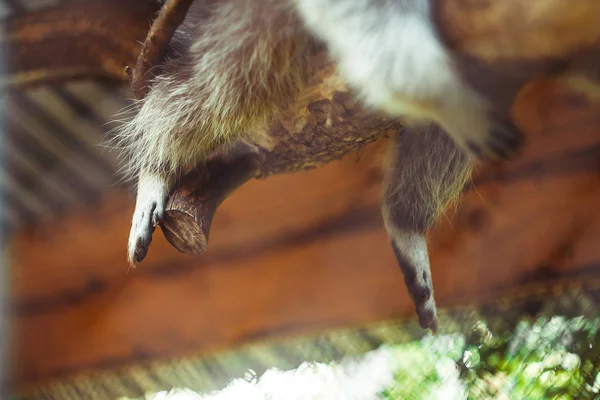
x=153, y=191
x=389, y=51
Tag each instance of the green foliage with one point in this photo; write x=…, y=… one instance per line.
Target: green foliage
x=555, y=358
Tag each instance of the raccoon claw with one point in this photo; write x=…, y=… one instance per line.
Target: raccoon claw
x=426, y=311
x=143, y=225
x=428, y=320
x=410, y=250
x=503, y=142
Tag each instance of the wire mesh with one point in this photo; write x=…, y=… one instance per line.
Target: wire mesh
x=537, y=346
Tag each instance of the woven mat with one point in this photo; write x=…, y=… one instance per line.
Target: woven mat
x=213, y=371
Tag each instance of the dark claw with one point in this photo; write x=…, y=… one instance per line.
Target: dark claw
x=143, y=243
x=499, y=150
x=515, y=140
x=427, y=320
x=505, y=139
x=421, y=294
x=140, y=252
x=509, y=127
x=141, y=248
x=476, y=150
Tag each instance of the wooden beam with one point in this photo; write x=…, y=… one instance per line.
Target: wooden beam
x=93, y=39
x=98, y=38
x=302, y=252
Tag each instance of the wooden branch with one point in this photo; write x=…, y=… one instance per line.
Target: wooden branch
x=156, y=44
x=191, y=208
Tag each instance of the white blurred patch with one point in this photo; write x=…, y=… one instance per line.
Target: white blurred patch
x=353, y=379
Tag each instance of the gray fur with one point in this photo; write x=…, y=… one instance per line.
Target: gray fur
x=426, y=171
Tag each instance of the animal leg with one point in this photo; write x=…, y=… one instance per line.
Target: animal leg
x=425, y=172
x=152, y=195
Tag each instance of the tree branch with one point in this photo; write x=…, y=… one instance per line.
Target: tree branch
x=156, y=44
x=191, y=207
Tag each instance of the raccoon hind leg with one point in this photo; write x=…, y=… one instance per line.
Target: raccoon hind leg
x=426, y=171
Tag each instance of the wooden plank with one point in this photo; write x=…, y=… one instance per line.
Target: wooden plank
x=302, y=252
x=96, y=236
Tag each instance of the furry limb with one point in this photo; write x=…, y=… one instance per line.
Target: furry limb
x=426, y=172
